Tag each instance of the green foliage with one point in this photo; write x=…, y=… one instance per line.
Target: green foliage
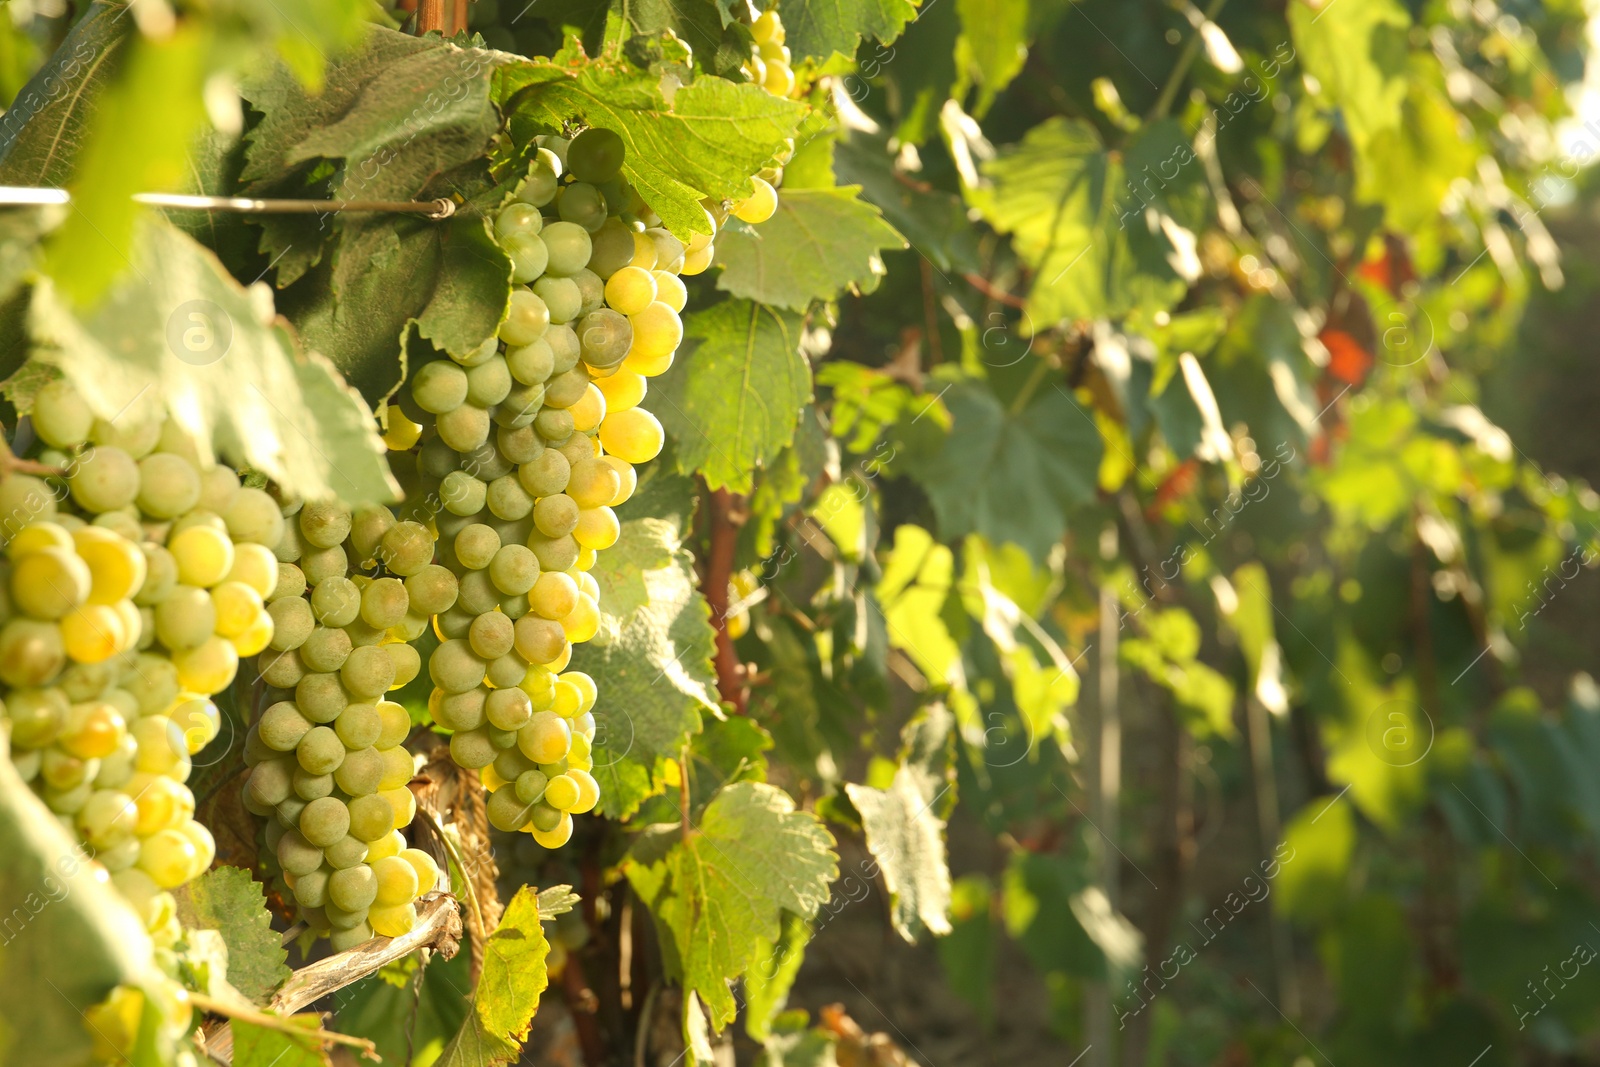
x=655, y=657
x=1229, y=291
x=820, y=242
x=69, y=938
x=819, y=31
x=1105, y=233
x=735, y=129
x=907, y=839
x=261, y=1046
x=720, y=893
x=179, y=333
x=513, y=969
x=228, y=900
x=1012, y=475
x=733, y=397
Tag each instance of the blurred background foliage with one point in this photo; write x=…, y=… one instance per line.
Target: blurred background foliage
x=1217, y=459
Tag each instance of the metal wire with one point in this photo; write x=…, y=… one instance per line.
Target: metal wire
x=433, y=209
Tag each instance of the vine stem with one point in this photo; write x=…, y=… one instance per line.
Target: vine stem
x=430, y=16
x=1180, y=70
x=461, y=865
x=10, y=463
x=724, y=536
x=254, y=1017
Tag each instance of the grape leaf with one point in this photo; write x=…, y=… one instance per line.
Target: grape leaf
x=43, y=130
x=1012, y=476
x=916, y=580
x=449, y=278
x=399, y=112
x=994, y=43
x=733, y=398
x=818, y=30
x=707, y=142
x=69, y=938
x=405, y=117
x=721, y=44
x=721, y=893
x=1357, y=53
x=803, y=1048
x=513, y=969
x=906, y=839
x=179, y=333
x=934, y=221
x=474, y=1046
x=229, y=900
x=651, y=661
x=258, y=1046
x=1104, y=233
x=767, y=983
x=818, y=242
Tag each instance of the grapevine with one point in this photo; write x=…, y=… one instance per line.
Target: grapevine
x=557, y=532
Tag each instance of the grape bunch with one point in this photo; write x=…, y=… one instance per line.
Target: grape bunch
x=329, y=767
x=525, y=446
x=769, y=64
x=133, y=585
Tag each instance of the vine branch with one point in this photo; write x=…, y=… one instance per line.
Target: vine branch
x=724, y=536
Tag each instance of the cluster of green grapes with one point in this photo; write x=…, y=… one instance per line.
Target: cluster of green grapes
x=329, y=767
x=132, y=585
x=769, y=65
x=530, y=443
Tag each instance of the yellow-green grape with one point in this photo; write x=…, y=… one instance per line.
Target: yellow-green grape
x=60, y=415
x=105, y=479
x=596, y=156
x=569, y=248
x=562, y=792
x=49, y=582
x=395, y=921
x=545, y=738
x=204, y=555
x=670, y=289
x=169, y=485
x=760, y=205
x=634, y=435
x=558, y=835
x=597, y=528
x=255, y=566
x=631, y=290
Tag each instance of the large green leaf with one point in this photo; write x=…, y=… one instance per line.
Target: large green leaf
x=1105, y=233
x=1012, y=476
x=229, y=900
x=69, y=937
x=994, y=43
x=401, y=118
x=906, y=838
x=1356, y=50
x=818, y=30
x=180, y=334
x=734, y=395
x=45, y=127
x=934, y=221
x=398, y=113
x=260, y=1046
x=720, y=43
x=708, y=142
x=720, y=893
x=449, y=278
x=513, y=969
x=651, y=661
x=818, y=242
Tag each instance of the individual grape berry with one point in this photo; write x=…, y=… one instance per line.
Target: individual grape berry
x=569, y=246
x=596, y=156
